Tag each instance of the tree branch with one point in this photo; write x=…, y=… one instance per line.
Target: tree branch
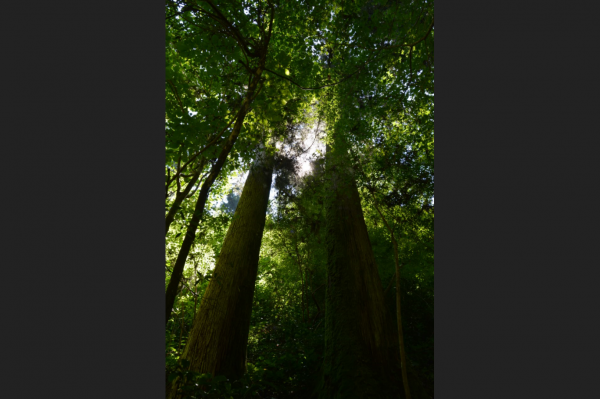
x=228, y=25
x=201, y=151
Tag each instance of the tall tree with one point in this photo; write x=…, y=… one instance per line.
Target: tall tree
x=389, y=40
x=259, y=52
x=190, y=234
x=253, y=37
x=370, y=65
x=218, y=340
x=360, y=350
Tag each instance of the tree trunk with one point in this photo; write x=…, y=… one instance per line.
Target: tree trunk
x=190, y=234
x=219, y=337
x=361, y=358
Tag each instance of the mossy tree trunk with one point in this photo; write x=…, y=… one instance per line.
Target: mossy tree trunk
x=360, y=359
x=218, y=340
x=190, y=234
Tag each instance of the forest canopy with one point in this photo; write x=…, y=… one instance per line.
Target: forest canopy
x=299, y=199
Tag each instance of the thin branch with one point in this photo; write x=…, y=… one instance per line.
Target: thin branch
x=259, y=21
x=176, y=14
x=202, y=150
x=168, y=181
x=198, y=186
x=175, y=5
x=398, y=315
x=179, y=170
x=270, y=22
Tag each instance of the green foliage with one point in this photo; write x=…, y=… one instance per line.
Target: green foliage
x=371, y=87
x=205, y=386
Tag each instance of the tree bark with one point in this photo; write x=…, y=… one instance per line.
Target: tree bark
x=219, y=337
x=190, y=234
x=361, y=358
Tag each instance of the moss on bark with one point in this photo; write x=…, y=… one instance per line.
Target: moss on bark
x=361, y=358
x=218, y=339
